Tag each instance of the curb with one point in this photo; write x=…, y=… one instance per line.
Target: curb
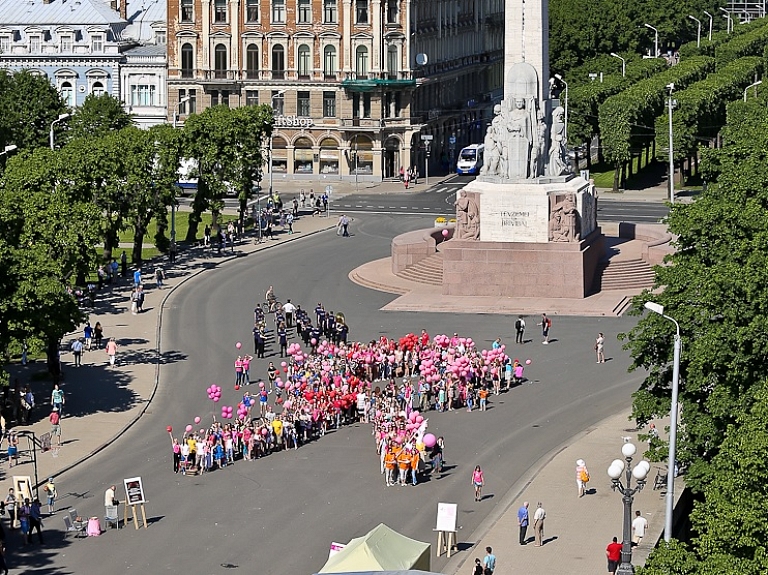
x=161, y=306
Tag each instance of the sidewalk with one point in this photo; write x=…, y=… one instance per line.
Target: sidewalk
x=111, y=400
x=576, y=530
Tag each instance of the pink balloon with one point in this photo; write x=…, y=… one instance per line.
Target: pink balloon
x=197, y=420
x=261, y=384
x=419, y=420
x=188, y=428
x=216, y=398
x=264, y=431
x=527, y=362
x=314, y=341
x=238, y=345
x=445, y=233
x=429, y=440
x=283, y=364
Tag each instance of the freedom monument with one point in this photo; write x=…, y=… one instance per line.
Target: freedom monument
x=527, y=226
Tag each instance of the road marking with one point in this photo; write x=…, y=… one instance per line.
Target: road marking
x=380, y=207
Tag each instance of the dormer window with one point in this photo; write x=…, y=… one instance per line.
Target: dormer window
x=161, y=37
x=34, y=44
x=97, y=43
x=66, y=44
x=5, y=44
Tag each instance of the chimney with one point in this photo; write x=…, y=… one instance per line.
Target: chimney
x=113, y=5
x=124, y=9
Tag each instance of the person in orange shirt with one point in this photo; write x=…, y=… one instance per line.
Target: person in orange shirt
x=390, y=463
x=404, y=463
x=483, y=393
x=415, y=457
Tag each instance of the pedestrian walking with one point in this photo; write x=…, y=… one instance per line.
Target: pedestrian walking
x=238, y=371
x=51, y=494
x=613, y=553
x=489, y=562
x=111, y=349
x=123, y=264
x=36, y=519
x=98, y=334
x=538, y=524
x=137, y=278
x=88, y=335
x=522, y=522
x=55, y=419
x=639, y=527
x=77, y=351
x=478, y=481
x=13, y=449
x=159, y=277
x=478, y=567
x=546, y=325
x=600, y=348
x=582, y=477
x=520, y=330
x=57, y=398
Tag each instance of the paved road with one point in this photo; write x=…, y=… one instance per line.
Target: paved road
x=278, y=515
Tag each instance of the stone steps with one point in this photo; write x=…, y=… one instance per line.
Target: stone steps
x=428, y=271
x=626, y=275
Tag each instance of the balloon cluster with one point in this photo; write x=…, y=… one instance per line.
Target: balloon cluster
x=409, y=341
x=214, y=393
x=492, y=358
x=226, y=412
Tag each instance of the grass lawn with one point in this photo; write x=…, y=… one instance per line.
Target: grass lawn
x=182, y=219
x=603, y=173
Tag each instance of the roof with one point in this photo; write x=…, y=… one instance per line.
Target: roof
x=141, y=15
x=148, y=50
x=57, y=12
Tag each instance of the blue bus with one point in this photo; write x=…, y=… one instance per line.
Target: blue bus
x=470, y=160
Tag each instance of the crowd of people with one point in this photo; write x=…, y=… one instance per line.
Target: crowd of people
x=330, y=382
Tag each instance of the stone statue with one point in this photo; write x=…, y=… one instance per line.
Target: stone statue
x=558, y=164
x=564, y=221
x=538, y=152
x=520, y=140
x=492, y=152
x=467, y=218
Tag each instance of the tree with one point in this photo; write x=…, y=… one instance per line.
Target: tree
x=98, y=116
x=28, y=106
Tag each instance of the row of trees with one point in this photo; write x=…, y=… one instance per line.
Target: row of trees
x=715, y=286
x=58, y=206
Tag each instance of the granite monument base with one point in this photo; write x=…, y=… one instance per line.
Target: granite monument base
x=521, y=269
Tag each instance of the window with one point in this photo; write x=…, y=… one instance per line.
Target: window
x=393, y=61
x=329, y=60
x=67, y=93
x=66, y=44
x=366, y=105
x=252, y=61
x=305, y=12
x=220, y=11
x=361, y=11
x=278, y=102
x=187, y=107
x=97, y=43
x=278, y=11
x=278, y=62
x=161, y=38
x=251, y=97
x=361, y=60
x=329, y=11
x=187, y=61
x=225, y=98
x=34, y=44
x=144, y=95
x=302, y=104
x=305, y=62
x=329, y=104
x=187, y=13
x=5, y=44
x=220, y=98
x=252, y=11
x=98, y=89
x=393, y=11
x=359, y=111
x=220, y=61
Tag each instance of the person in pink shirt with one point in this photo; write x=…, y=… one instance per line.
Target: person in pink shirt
x=478, y=481
x=246, y=367
x=111, y=349
x=239, y=371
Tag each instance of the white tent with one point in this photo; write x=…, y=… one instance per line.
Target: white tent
x=381, y=549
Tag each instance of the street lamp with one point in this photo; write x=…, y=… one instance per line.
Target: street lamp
x=729, y=26
x=177, y=111
x=753, y=85
x=271, y=137
x=623, y=64
x=672, y=103
x=56, y=121
x=565, y=98
x=698, y=33
x=655, y=41
x=8, y=149
x=710, y=25
x=670, y=501
x=639, y=472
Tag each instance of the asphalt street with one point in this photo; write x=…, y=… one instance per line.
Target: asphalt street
x=278, y=515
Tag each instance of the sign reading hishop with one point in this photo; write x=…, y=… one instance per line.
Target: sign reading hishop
x=293, y=122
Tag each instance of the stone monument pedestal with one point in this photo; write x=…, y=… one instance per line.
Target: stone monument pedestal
x=521, y=269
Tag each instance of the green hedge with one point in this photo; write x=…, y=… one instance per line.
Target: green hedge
x=751, y=43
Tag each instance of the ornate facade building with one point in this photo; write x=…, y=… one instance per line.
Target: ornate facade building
x=82, y=45
x=351, y=92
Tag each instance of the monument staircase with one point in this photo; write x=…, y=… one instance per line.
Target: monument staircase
x=625, y=274
x=427, y=271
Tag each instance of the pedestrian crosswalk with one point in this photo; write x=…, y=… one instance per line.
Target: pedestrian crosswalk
x=445, y=189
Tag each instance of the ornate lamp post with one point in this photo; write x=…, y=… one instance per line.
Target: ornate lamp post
x=639, y=472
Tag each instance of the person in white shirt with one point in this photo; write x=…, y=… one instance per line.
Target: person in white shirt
x=538, y=524
x=289, y=310
x=639, y=526
x=109, y=498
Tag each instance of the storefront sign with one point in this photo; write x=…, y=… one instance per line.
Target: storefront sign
x=293, y=122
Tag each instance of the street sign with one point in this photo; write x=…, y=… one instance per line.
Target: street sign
x=452, y=140
x=328, y=190
x=426, y=137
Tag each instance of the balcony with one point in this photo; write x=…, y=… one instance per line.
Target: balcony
x=369, y=123
x=221, y=77
x=371, y=81
x=401, y=121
